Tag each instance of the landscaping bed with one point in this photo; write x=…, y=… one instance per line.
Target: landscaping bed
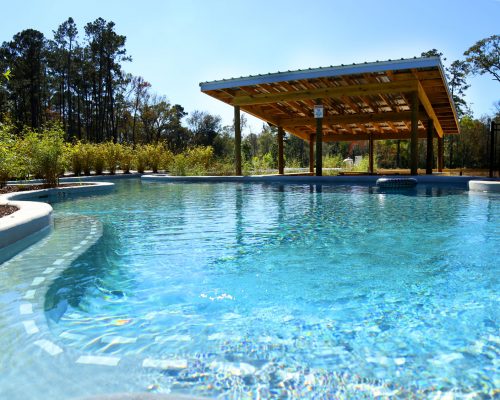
x=7, y=210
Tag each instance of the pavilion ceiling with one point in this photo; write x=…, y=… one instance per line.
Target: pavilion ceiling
x=361, y=100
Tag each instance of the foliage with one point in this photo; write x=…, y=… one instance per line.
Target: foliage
x=44, y=154
x=112, y=154
x=484, y=56
x=335, y=161
x=195, y=161
x=141, y=159
x=126, y=158
x=6, y=74
x=98, y=157
x=456, y=75
x=154, y=155
x=364, y=164
x=74, y=154
x=8, y=155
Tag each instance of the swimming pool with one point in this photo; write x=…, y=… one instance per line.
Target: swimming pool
x=246, y=290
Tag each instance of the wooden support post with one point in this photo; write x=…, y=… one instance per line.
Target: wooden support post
x=281, y=159
x=440, y=154
x=311, y=153
x=430, y=147
x=414, y=134
x=319, y=143
x=237, y=139
x=492, y=148
x=370, y=155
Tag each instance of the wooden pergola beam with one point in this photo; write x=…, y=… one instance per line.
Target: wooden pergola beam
x=347, y=137
x=350, y=119
x=321, y=93
x=424, y=100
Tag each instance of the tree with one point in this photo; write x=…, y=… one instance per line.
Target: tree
x=204, y=127
x=140, y=91
x=484, y=57
x=27, y=90
x=61, y=62
x=106, y=51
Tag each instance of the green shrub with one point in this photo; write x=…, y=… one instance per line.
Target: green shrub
x=179, y=165
x=154, y=155
x=126, y=158
x=195, y=161
x=167, y=160
x=112, y=155
x=45, y=154
x=74, y=154
x=141, y=159
x=98, y=157
x=200, y=157
x=335, y=161
x=364, y=164
x=8, y=159
x=222, y=168
x=86, y=151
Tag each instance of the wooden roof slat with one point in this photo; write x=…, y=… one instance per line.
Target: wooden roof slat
x=360, y=98
x=337, y=92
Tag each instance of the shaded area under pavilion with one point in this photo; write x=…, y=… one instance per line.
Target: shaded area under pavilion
x=407, y=99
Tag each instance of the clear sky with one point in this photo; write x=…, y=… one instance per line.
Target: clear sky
x=175, y=45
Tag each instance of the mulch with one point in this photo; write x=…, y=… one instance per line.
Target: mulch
x=7, y=210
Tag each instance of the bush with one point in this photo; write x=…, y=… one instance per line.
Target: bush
x=126, y=158
x=199, y=158
x=364, y=164
x=112, y=155
x=98, y=158
x=335, y=161
x=141, y=159
x=154, y=153
x=74, y=154
x=8, y=159
x=86, y=151
x=179, y=165
x=45, y=154
x=167, y=160
x=222, y=168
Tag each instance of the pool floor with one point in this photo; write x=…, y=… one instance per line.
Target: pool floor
x=248, y=291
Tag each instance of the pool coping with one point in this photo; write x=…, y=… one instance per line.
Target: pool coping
x=305, y=179
x=33, y=217
x=490, y=186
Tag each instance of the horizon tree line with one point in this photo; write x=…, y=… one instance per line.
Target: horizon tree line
x=79, y=81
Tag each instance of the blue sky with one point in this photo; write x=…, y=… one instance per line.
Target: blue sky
x=175, y=45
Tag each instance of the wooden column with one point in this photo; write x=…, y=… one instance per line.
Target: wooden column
x=319, y=144
x=440, y=154
x=237, y=139
x=281, y=159
x=492, y=148
x=430, y=148
x=311, y=153
x=414, y=134
x=370, y=155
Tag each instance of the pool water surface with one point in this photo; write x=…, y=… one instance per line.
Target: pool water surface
x=294, y=291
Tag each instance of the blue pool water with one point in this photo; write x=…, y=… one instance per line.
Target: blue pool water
x=298, y=291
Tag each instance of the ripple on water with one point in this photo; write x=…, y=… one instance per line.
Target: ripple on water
x=289, y=292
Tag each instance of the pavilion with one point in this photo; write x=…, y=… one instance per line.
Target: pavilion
x=405, y=99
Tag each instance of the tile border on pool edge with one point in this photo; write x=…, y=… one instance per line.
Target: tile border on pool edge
x=307, y=179
x=35, y=216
